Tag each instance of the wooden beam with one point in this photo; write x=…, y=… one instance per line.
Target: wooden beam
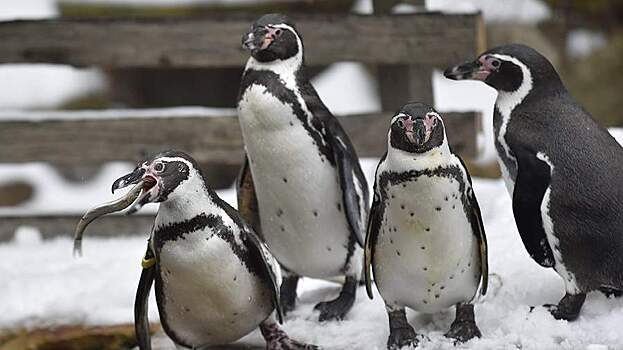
x=95, y=140
x=425, y=38
x=52, y=226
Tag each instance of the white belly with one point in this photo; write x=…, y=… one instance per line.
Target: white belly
x=300, y=201
x=210, y=298
x=427, y=261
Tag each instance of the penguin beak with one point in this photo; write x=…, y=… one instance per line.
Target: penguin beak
x=420, y=130
x=259, y=38
x=475, y=70
x=149, y=189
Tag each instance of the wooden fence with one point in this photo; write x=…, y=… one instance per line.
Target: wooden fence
x=404, y=49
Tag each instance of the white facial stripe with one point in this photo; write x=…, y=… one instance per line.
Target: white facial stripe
x=176, y=159
x=399, y=115
x=505, y=103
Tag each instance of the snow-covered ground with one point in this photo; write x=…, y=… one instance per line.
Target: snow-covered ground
x=43, y=284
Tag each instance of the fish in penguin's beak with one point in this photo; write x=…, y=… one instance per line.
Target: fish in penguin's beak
x=479, y=69
x=145, y=190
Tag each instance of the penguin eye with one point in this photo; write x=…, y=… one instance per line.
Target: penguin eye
x=495, y=63
x=159, y=167
x=401, y=123
x=278, y=32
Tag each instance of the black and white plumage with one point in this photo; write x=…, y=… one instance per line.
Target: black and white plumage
x=302, y=186
x=215, y=281
x=562, y=169
x=426, y=242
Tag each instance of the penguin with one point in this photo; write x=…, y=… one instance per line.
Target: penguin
x=215, y=281
x=425, y=241
x=301, y=185
x=562, y=170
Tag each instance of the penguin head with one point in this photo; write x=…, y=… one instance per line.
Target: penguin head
x=163, y=177
x=271, y=38
x=416, y=128
x=507, y=68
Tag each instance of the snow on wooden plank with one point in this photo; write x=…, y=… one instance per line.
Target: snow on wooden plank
x=430, y=38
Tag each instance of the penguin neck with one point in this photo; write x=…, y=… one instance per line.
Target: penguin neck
x=288, y=70
x=400, y=160
x=193, y=197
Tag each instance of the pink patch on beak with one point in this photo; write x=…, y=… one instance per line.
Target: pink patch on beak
x=408, y=124
x=269, y=37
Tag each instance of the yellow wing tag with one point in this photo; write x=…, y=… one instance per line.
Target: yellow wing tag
x=148, y=262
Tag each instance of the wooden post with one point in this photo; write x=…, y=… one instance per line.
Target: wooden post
x=399, y=84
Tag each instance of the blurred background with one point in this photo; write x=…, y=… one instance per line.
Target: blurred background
x=68, y=130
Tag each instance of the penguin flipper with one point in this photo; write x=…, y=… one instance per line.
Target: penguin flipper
x=374, y=224
x=247, y=199
x=533, y=178
x=350, y=176
x=267, y=263
x=479, y=230
x=141, y=304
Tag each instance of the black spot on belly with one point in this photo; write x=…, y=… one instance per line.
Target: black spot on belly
x=427, y=229
x=446, y=198
x=329, y=248
x=436, y=296
x=422, y=247
x=438, y=208
x=339, y=207
x=235, y=277
x=452, y=277
x=425, y=269
x=395, y=229
x=234, y=314
x=285, y=180
x=442, y=287
x=291, y=124
x=453, y=206
x=402, y=206
x=391, y=241
x=315, y=213
x=279, y=212
x=411, y=213
x=397, y=253
x=469, y=264
x=187, y=309
x=425, y=301
x=283, y=229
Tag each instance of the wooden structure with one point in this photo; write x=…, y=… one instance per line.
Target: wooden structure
x=404, y=48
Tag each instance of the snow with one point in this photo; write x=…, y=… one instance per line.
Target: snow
x=170, y=112
x=99, y=289
x=516, y=11
x=582, y=42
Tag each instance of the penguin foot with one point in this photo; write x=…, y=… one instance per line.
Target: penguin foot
x=464, y=326
x=338, y=308
x=568, y=307
x=462, y=331
x=401, y=333
x=401, y=337
x=277, y=339
x=287, y=293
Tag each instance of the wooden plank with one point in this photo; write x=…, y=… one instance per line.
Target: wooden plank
x=425, y=38
x=95, y=140
x=401, y=83
x=52, y=226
